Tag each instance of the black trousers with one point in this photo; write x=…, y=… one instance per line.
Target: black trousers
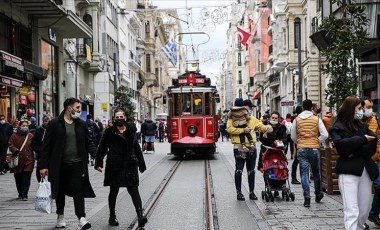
x=71, y=181
x=23, y=183
x=3, y=156
x=133, y=192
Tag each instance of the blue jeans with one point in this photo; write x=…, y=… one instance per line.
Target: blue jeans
x=375, y=210
x=309, y=157
x=239, y=166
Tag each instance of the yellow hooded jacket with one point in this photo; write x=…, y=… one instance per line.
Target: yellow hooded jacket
x=372, y=125
x=253, y=123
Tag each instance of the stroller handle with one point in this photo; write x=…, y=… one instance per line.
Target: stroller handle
x=274, y=148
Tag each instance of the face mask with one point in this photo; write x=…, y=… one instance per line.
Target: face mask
x=119, y=122
x=274, y=122
x=24, y=129
x=358, y=115
x=75, y=115
x=368, y=113
x=2, y=122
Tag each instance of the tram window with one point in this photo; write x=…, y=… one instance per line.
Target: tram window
x=176, y=105
x=186, y=103
x=207, y=103
x=198, y=105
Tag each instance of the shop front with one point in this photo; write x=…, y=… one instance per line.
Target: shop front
x=19, y=86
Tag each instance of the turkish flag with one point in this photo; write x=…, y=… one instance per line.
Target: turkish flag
x=242, y=36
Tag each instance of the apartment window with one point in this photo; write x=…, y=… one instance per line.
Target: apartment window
x=148, y=66
x=240, y=93
x=297, y=32
x=239, y=59
x=147, y=27
x=240, y=77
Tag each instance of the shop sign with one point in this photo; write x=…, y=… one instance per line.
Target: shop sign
x=12, y=61
x=104, y=107
x=368, y=76
x=287, y=103
x=10, y=82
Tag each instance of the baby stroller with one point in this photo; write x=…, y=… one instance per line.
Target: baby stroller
x=275, y=173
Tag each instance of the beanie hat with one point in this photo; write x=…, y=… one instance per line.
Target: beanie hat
x=238, y=102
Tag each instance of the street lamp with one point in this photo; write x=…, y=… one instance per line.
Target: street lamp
x=297, y=43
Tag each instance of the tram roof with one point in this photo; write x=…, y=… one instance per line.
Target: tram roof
x=191, y=89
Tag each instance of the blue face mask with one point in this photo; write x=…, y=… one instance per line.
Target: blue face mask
x=359, y=115
x=24, y=129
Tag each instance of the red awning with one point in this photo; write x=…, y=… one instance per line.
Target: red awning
x=257, y=94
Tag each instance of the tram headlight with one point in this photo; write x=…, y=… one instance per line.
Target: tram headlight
x=192, y=130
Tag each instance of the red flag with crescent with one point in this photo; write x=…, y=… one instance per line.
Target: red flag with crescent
x=242, y=36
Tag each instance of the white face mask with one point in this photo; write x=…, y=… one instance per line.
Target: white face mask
x=2, y=122
x=74, y=114
x=368, y=112
x=274, y=122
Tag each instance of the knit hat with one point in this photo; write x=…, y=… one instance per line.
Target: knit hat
x=239, y=102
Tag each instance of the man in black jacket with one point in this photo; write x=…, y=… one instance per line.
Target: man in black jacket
x=37, y=140
x=6, y=131
x=148, y=129
x=64, y=157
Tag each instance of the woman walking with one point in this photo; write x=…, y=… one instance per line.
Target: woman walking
x=20, y=143
x=124, y=159
x=355, y=144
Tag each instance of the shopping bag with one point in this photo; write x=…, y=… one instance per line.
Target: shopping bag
x=13, y=163
x=43, y=198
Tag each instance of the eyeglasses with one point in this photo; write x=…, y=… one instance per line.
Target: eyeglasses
x=119, y=117
x=274, y=118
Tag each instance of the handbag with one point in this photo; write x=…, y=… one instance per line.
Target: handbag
x=13, y=163
x=43, y=200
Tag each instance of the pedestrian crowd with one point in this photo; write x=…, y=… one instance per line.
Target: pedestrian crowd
x=354, y=134
x=61, y=146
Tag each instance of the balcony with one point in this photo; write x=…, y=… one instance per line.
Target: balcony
x=274, y=79
x=134, y=61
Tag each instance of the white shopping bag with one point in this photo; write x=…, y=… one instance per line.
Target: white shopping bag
x=43, y=199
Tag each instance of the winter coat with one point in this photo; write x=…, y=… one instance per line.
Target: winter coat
x=239, y=116
x=6, y=131
x=124, y=157
x=354, y=150
x=253, y=123
x=37, y=141
x=53, y=149
x=279, y=133
x=26, y=156
x=148, y=128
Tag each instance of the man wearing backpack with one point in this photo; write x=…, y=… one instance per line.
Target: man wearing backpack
x=93, y=129
x=148, y=129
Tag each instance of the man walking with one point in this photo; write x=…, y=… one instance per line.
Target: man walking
x=64, y=158
x=6, y=131
x=93, y=130
x=308, y=131
x=148, y=129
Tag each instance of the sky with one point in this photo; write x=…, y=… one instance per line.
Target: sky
x=199, y=14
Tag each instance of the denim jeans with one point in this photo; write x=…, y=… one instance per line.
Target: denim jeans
x=309, y=157
x=239, y=166
x=375, y=210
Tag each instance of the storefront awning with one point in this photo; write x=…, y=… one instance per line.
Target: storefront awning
x=257, y=94
x=10, y=82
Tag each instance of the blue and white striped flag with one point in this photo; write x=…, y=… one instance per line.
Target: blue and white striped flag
x=170, y=50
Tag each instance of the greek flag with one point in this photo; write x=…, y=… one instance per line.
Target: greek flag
x=170, y=50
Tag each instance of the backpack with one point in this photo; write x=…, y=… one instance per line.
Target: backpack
x=92, y=133
x=288, y=126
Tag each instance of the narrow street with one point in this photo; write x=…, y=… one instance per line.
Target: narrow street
x=174, y=191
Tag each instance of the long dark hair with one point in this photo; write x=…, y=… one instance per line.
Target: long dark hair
x=347, y=112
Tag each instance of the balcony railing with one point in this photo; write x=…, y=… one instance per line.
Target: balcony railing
x=134, y=59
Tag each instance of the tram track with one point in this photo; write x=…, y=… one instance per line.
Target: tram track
x=209, y=210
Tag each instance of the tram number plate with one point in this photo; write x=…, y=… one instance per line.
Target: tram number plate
x=199, y=80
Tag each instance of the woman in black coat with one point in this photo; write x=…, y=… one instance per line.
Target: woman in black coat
x=355, y=144
x=268, y=139
x=124, y=159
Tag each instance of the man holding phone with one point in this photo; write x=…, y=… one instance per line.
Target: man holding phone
x=253, y=124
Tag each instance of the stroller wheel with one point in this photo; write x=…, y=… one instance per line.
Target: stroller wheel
x=292, y=197
x=271, y=197
x=287, y=196
x=266, y=197
x=282, y=194
x=262, y=195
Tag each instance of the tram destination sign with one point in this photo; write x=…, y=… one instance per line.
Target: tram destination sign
x=287, y=103
x=185, y=81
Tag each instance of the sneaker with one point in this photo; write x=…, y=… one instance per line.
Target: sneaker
x=113, y=221
x=83, y=224
x=252, y=196
x=366, y=226
x=319, y=197
x=375, y=220
x=60, y=221
x=240, y=196
x=2, y=173
x=92, y=162
x=295, y=181
x=307, y=202
x=25, y=198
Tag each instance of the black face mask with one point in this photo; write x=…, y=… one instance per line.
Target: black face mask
x=119, y=122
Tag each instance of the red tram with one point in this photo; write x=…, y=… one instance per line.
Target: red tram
x=192, y=121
